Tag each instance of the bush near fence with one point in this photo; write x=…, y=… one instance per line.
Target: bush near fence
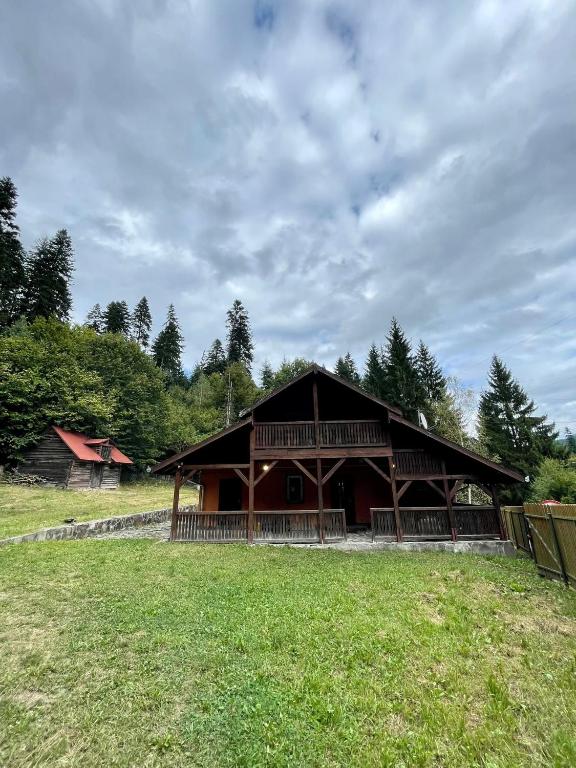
x=547, y=532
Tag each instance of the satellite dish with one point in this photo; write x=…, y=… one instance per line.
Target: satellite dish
x=422, y=420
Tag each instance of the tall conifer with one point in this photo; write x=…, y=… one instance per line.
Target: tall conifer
x=215, y=359
x=430, y=374
x=50, y=268
x=142, y=322
x=239, y=340
x=508, y=426
x=401, y=383
x=373, y=380
x=12, y=271
x=346, y=368
x=117, y=318
x=168, y=346
x=95, y=319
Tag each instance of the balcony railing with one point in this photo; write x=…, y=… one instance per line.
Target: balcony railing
x=301, y=434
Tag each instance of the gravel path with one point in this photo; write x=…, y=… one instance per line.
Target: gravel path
x=356, y=542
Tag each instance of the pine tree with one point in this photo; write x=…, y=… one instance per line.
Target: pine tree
x=167, y=348
x=117, y=318
x=373, y=380
x=215, y=359
x=95, y=319
x=50, y=268
x=346, y=368
x=239, y=341
x=430, y=374
x=267, y=376
x=401, y=383
x=142, y=322
x=508, y=426
x=12, y=271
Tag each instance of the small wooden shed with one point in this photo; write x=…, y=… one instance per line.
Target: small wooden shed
x=73, y=460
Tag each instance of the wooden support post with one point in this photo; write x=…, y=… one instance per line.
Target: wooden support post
x=250, y=532
x=496, y=502
x=320, y=500
x=392, y=467
x=175, y=501
x=320, y=490
x=448, y=496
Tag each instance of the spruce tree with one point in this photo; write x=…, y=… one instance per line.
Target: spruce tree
x=117, y=318
x=50, y=268
x=401, y=384
x=346, y=368
x=373, y=380
x=142, y=322
x=214, y=361
x=430, y=374
x=167, y=348
x=12, y=271
x=239, y=341
x=267, y=376
x=95, y=319
x=508, y=426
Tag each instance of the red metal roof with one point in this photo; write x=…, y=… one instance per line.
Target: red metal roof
x=80, y=446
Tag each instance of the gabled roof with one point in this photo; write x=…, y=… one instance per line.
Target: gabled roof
x=460, y=448
x=315, y=369
x=80, y=444
x=202, y=444
x=395, y=414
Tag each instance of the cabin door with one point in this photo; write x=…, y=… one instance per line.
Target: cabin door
x=230, y=495
x=96, y=475
x=343, y=497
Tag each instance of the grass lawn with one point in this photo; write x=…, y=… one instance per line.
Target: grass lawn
x=23, y=509
x=136, y=653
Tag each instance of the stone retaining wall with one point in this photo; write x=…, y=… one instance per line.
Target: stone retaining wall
x=92, y=527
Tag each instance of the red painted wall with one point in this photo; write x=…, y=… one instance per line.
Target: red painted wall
x=270, y=494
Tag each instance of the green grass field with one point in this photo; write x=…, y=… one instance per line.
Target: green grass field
x=136, y=653
x=27, y=509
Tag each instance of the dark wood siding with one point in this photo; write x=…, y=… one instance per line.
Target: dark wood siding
x=50, y=459
x=80, y=474
x=110, y=476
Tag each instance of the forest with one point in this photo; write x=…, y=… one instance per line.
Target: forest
x=108, y=377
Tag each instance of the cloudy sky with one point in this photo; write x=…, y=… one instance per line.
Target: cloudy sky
x=331, y=163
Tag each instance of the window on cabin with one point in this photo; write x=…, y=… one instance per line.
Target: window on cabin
x=294, y=489
x=105, y=451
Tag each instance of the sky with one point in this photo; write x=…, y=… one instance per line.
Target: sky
x=331, y=164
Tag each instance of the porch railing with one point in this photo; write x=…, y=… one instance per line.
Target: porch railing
x=279, y=526
x=301, y=434
x=433, y=523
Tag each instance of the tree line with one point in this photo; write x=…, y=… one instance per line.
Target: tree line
x=109, y=377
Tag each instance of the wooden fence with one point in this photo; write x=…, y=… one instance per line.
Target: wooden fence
x=278, y=526
x=473, y=521
x=547, y=532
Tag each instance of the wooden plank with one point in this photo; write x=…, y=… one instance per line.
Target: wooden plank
x=265, y=472
x=377, y=469
x=452, y=519
x=496, y=502
x=241, y=475
x=262, y=454
x=399, y=534
x=303, y=469
x=251, y=487
x=334, y=469
x=404, y=488
x=194, y=467
x=175, y=500
x=320, y=492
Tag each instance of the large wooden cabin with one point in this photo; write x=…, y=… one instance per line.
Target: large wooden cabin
x=319, y=457
x=73, y=460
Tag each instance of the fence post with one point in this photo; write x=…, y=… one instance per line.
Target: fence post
x=558, y=550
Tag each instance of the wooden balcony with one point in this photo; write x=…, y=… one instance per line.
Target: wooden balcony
x=332, y=434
